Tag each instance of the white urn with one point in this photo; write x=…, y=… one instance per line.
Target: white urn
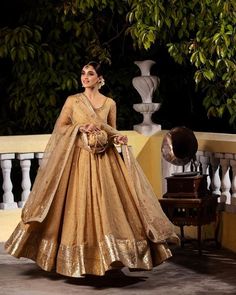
x=146, y=85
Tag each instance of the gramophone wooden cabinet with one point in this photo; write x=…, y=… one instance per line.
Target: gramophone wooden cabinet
x=186, y=187
x=191, y=211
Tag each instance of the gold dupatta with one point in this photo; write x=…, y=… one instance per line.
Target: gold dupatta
x=57, y=154
x=157, y=226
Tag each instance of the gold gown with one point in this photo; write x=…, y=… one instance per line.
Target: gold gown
x=87, y=212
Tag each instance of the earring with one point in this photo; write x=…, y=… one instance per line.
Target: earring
x=101, y=83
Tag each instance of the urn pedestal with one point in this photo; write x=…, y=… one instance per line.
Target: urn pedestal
x=147, y=127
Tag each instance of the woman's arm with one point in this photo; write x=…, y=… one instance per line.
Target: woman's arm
x=111, y=120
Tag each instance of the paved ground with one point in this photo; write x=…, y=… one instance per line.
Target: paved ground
x=186, y=273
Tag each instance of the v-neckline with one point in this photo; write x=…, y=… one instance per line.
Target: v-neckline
x=102, y=105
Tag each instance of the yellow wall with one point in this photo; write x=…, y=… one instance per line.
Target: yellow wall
x=228, y=232
x=8, y=221
x=147, y=151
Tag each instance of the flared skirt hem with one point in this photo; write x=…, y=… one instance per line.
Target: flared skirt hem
x=85, y=259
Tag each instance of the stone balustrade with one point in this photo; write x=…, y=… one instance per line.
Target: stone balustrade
x=219, y=166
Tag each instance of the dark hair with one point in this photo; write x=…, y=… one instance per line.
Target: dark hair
x=97, y=67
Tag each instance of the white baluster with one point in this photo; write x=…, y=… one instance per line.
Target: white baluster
x=39, y=156
x=175, y=169
x=206, y=168
x=187, y=167
x=204, y=162
x=233, y=183
x=199, y=154
x=216, y=182
x=8, y=198
x=25, y=163
x=165, y=173
x=225, y=181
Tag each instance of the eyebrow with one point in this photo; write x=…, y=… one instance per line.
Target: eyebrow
x=90, y=72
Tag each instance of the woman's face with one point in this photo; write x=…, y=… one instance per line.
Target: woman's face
x=89, y=77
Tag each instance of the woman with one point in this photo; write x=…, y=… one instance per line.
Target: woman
x=89, y=211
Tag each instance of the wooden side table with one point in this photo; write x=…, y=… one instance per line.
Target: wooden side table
x=193, y=211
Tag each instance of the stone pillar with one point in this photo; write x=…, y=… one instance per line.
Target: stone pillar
x=8, y=197
x=25, y=163
x=39, y=156
x=225, y=181
x=233, y=186
x=216, y=182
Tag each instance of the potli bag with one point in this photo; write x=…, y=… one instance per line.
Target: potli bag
x=96, y=141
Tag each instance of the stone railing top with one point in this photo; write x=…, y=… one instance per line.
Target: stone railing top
x=212, y=142
x=23, y=143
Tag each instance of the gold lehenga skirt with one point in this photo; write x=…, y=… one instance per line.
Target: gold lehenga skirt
x=93, y=224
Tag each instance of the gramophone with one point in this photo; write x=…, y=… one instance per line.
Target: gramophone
x=179, y=147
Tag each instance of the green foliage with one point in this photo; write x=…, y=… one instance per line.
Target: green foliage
x=200, y=32
x=46, y=51
x=50, y=40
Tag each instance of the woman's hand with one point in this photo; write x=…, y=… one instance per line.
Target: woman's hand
x=88, y=128
x=121, y=139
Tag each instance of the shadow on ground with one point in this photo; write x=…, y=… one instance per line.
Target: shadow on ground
x=186, y=272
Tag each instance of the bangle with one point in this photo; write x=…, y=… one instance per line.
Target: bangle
x=81, y=129
x=115, y=140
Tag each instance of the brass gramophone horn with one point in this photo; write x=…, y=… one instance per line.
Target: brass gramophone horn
x=179, y=146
